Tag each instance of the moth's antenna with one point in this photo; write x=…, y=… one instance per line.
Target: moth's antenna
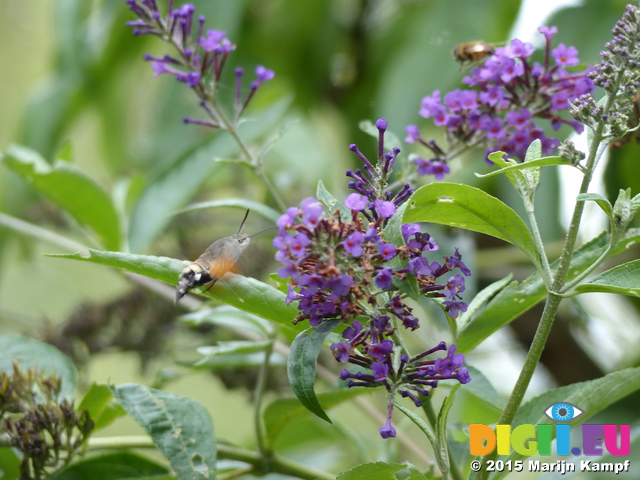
x=270, y=228
x=243, y=220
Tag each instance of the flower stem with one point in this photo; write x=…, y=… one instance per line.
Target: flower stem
x=553, y=298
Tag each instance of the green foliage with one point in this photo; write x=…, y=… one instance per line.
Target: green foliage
x=180, y=427
x=72, y=190
x=470, y=208
x=301, y=367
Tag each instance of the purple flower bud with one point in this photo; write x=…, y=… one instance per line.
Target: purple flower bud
x=264, y=74
x=548, y=32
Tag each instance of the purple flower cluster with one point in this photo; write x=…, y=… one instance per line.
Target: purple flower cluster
x=507, y=93
x=414, y=377
x=618, y=75
x=201, y=58
x=342, y=266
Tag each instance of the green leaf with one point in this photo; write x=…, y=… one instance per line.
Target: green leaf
x=539, y=162
x=301, y=366
x=180, y=427
x=517, y=298
x=480, y=299
x=114, y=466
x=591, y=397
x=39, y=233
x=236, y=347
x=102, y=406
x=382, y=471
x=228, y=317
x=602, y=202
x=441, y=447
x=46, y=358
x=245, y=293
x=267, y=212
x=238, y=360
x=9, y=464
x=623, y=279
x=419, y=422
x=481, y=388
x=330, y=202
x=470, y=208
x=176, y=185
x=69, y=188
x=282, y=411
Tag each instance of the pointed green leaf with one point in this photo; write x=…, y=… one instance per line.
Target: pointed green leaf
x=70, y=189
x=32, y=353
x=301, y=366
x=102, y=406
x=245, y=293
x=480, y=299
x=623, y=279
x=470, y=208
x=539, y=162
x=442, y=445
x=180, y=427
x=602, y=202
x=518, y=297
x=330, y=202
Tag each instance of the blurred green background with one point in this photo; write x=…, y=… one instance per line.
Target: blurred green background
x=73, y=74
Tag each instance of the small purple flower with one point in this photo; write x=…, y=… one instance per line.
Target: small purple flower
x=385, y=209
x=353, y=244
x=387, y=250
x=356, y=202
x=413, y=133
x=384, y=279
x=351, y=331
x=409, y=229
x=565, y=56
x=297, y=244
x=454, y=286
x=212, y=40
x=380, y=351
x=380, y=371
x=312, y=211
x=288, y=218
x=453, y=309
x=432, y=167
x=341, y=351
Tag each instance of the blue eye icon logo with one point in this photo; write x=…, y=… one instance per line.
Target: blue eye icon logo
x=563, y=412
